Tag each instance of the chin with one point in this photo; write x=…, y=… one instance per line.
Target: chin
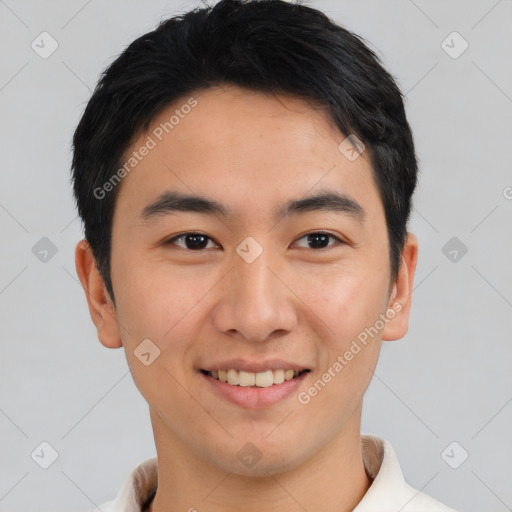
x=260, y=465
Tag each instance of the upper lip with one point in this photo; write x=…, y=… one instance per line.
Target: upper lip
x=255, y=367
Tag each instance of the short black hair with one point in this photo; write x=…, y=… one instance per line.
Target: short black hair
x=271, y=46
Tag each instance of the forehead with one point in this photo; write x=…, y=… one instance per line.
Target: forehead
x=251, y=148
x=247, y=122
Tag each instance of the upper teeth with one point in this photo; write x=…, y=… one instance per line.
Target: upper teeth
x=261, y=379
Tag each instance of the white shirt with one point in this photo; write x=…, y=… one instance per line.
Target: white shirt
x=389, y=492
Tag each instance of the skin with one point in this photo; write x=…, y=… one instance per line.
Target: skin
x=304, y=304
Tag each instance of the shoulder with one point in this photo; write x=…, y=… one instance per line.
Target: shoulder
x=135, y=490
x=389, y=490
x=421, y=502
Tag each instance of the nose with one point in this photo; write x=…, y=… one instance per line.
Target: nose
x=256, y=301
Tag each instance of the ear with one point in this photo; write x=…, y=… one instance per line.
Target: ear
x=101, y=307
x=399, y=304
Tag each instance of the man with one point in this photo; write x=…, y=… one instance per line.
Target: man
x=244, y=174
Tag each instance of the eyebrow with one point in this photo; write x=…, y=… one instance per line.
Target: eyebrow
x=171, y=201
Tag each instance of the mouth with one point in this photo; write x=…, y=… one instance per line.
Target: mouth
x=265, y=379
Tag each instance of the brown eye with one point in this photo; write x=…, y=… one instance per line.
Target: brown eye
x=191, y=241
x=320, y=240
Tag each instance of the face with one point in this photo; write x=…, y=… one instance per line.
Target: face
x=258, y=275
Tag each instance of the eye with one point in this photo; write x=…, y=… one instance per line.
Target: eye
x=319, y=240
x=191, y=241
x=197, y=241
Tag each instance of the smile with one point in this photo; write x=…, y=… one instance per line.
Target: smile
x=263, y=379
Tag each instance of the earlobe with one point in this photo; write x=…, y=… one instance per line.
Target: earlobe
x=400, y=300
x=101, y=308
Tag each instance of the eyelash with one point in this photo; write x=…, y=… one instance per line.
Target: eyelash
x=340, y=242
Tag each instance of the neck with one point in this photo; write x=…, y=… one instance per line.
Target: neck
x=332, y=480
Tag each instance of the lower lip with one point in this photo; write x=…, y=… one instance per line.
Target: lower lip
x=256, y=398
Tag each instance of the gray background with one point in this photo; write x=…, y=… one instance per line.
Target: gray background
x=447, y=380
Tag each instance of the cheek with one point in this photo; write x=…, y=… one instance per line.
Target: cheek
x=350, y=348
x=153, y=298
x=347, y=300
x=157, y=305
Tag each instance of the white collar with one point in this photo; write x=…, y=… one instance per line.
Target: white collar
x=388, y=492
